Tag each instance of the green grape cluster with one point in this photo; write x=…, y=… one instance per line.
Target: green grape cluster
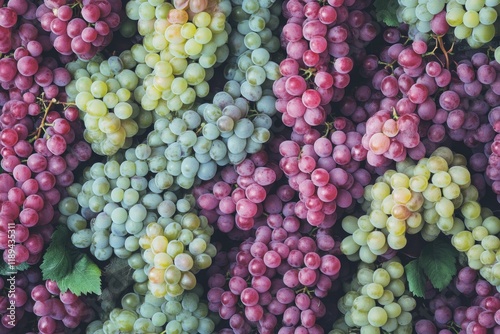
x=253, y=46
x=431, y=197
x=173, y=250
x=377, y=301
x=414, y=198
x=418, y=15
x=473, y=20
x=144, y=313
x=121, y=197
x=193, y=143
x=104, y=92
x=118, y=193
x=480, y=242
x=181, y=48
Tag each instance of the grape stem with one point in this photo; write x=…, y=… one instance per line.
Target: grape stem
x=395, y=115
x=439, y=40
x=329, y=127
x=306, y=291
x=388, y=65
x=308, y=73
x=38, y=132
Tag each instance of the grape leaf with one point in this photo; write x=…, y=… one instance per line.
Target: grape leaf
x=437, y=261
x=416, y=278
x=6, y=269
x=57, y=260
x=84, y=278
x=385, y=12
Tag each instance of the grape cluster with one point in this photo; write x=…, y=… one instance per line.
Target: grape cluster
x=473, y=21
x=181, y=48
x=103, y=90
x=427, y=198
x=144, y=313
x=275, y=275
x=121, y=199
x=469, y=304
x=451, y=105
x=26, y=71
x=15, y=302
x=493, y=164
x=423, y=18
x=413, y=198
x=480, y=242
x=115, y=197
x=196, y=142
x=326, y=172
x=239, y=198
x=175, y=251
x=58, y=309
x=81, y=28
x=252, y=66
x=31, y=188
x=390, y=137
x=18, y=29
x=377, y=300
x=314, y=36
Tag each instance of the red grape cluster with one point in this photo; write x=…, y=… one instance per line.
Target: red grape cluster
x=389, y=137
x=326, y=172
x=321, y=40
x=17, y=27
x=36, y=170
x=58, y=310
x=237, y=197
x=276, y=275
x=82, y=28
x=25, y=73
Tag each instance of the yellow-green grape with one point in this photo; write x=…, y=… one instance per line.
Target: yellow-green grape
x=471, y=19
x=380, y=190
x=376, y=240
x=437, y=164
x=418, y=183
x=377, y=316
x=463, y=241
x=471, y=210
x=462, y=32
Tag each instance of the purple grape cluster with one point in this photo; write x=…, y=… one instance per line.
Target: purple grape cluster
x=81, y=28
x=58, y=310
x=492, y=166
x=469, y=305
x=17, y=26
x=450, y=102
x=15, y=301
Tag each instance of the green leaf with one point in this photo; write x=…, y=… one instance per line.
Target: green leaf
x=6, y=269
x=84, y=278
x=416, y=278
x=437, y=260
x=57, y=260
x=385, y=11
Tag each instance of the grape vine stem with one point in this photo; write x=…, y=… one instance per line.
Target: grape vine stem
x=42, y=124
x=439, y=40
